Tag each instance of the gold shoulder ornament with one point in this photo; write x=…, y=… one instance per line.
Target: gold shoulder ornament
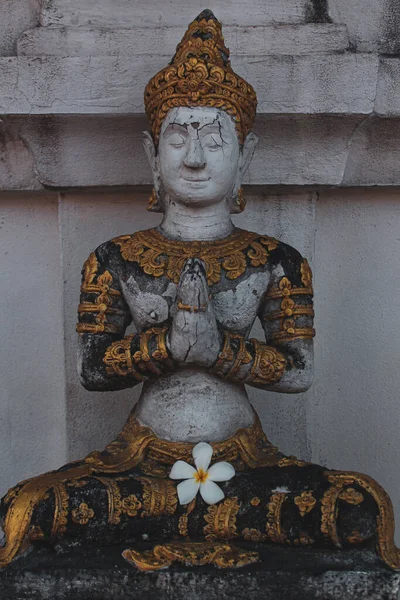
x=159, y=256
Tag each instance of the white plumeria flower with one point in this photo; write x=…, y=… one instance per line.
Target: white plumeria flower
x=201, y=478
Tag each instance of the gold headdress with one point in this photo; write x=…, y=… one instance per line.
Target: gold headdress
x=200, y=74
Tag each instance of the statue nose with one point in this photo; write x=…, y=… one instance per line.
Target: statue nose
x=195, y=158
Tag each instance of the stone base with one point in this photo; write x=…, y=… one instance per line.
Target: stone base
x=282, y=574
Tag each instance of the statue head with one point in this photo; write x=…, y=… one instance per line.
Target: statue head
x=200, y=113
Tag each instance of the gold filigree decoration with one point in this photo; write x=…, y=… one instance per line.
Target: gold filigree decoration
x=355, y=537
x=255, y=501
x=114, y=499
x=385, y=519
x=221, y=520
x=159, y=256
x=268, y=366
x=304, y=540
x=247, y=448
x=305, y=502
x=82, y=514
x=227, y=355
x=200, y=74
x=118, y=359
x=131, y=505
x=274, y=518
x=253, y=535
x=77, y=484
x=159, y=496
x=61, y=508
x=120, y=362
x=224, y=556
x=184, y=519
x=290, y=310
x=351, y=496
x=291, y=461
x=101, y=286
x=329, y=508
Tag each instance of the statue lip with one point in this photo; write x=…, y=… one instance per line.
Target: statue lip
x=196, y=180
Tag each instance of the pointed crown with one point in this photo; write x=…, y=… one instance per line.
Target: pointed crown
x=200, y=74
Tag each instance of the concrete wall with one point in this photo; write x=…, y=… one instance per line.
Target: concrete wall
x=32, y=375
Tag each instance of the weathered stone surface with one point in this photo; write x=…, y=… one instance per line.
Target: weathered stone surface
x=338, y=84
x=17, y=163
x=249, y=41
x=283, y=574
x=388, y=97
x=373, y=25
x=127, y=13
x=374, y=154
x=16, y=17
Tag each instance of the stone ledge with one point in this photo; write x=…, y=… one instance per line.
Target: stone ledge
x=305, y=84
x=104, y=13
x=60, y=152
x=283, y=574
x=259, y=40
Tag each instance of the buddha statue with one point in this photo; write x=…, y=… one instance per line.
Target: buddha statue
x=193, y=287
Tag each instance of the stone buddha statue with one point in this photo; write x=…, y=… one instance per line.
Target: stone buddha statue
x=193, y=287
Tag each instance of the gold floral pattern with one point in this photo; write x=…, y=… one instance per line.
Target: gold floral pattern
x=351, y=496
x=131, y=505
x=82, y=514
x=253, y=535
x=159, y=256
x=200, y=74
x=305, y=502
x=255, y=501
x=221, y=520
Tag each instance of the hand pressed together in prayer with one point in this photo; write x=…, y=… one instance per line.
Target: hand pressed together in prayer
x=194, y=337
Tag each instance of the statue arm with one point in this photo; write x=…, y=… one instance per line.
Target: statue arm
x=284, y=362
x=107, y=359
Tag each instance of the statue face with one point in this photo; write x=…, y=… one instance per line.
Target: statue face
x=198, y=156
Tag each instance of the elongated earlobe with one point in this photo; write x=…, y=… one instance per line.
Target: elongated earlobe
x=155, y=204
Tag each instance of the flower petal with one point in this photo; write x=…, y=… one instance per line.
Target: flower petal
x=202, y=454
x=182, y=470
x=187, y=490
x=222, y=471
x=211, y=492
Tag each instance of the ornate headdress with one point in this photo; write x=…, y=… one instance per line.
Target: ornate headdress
x=200, y=74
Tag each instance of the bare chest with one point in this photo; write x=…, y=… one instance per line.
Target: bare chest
x=236, y=304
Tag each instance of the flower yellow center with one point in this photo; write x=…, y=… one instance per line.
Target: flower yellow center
x=201, y=475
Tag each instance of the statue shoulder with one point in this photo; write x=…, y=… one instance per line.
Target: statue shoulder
x=290, y=263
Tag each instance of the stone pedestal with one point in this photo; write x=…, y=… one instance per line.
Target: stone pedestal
x=282, y=574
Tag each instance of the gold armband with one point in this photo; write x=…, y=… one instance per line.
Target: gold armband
x=268, y=363
x=105, y=296
x=290, y=310
x=119, y=360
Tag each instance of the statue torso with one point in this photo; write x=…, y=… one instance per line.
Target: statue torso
x=192, y=403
